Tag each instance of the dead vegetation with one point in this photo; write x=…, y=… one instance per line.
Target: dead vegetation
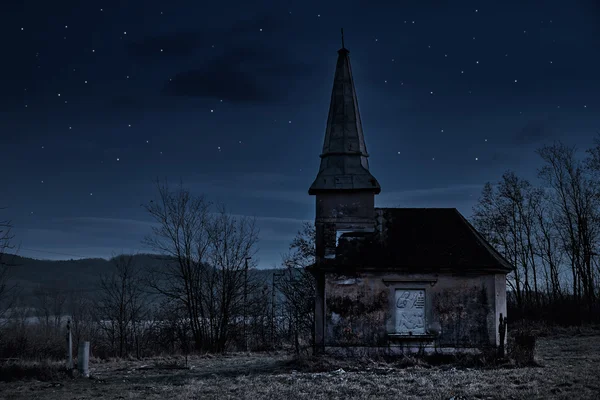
x=568, y=368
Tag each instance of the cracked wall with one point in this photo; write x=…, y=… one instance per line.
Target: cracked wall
x=458, y=311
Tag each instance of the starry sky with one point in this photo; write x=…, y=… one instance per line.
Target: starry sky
x=101, y=97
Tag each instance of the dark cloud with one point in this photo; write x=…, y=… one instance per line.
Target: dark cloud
x=241, y=75
x=178, y=44
x=534, y=131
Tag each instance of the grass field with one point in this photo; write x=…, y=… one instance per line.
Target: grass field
x=569, y=369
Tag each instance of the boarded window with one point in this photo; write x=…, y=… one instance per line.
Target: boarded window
x=410, y=311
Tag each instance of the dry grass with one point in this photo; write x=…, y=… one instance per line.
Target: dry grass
x=570, y=369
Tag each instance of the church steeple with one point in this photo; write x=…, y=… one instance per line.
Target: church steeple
x=344, y=163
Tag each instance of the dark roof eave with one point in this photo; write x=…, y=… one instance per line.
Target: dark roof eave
x=333, y=266
x=314, y=191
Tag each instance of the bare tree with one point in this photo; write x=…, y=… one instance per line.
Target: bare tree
x=181, y=238
x=50, y=307
x=83, y=325
x=7, y=290
x=577, y=213
x=507, y=217
x=204, y=256
x=549, y=249
x=232, y=240
x=298, y=285
x=121, y=303
x=492, y=218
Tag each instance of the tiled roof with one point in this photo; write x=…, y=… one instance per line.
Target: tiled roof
x=419, y=239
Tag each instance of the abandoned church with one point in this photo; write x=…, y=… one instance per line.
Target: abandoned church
x=394, y=278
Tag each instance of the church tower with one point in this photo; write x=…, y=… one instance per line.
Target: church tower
x=344, y=187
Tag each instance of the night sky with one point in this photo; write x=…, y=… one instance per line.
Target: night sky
x=100, y=98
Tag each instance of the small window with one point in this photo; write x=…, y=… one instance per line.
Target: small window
x=410, y=312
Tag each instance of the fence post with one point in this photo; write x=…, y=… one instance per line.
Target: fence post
x=83, y=359
x=69, y=346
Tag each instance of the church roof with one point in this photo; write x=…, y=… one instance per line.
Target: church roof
x=419, y=240
x=344, y=160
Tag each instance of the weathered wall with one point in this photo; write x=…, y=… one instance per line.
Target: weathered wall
x=353, y=211
x=459, y=311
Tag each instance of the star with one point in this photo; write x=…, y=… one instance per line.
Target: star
x=91, y=193
x=476, y=159
x=212, y=110
x=118, y=159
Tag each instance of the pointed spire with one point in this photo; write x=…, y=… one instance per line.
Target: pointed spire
x=344, y=163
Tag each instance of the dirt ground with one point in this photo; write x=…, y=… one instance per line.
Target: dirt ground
x=569, y=369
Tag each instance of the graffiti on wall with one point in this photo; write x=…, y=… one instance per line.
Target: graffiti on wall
x=410, y=312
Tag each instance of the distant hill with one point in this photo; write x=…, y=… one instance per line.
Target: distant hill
x=79, y=275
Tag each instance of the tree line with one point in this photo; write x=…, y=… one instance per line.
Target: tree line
x=550, y=232
x=206, y=294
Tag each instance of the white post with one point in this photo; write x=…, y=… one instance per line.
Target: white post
x=69, y=346
x=83, y=359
